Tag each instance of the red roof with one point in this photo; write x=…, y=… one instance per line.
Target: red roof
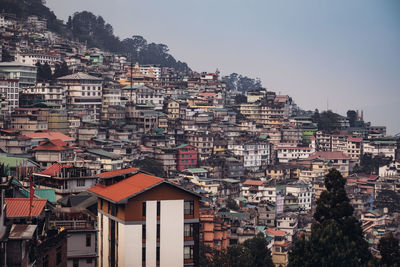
x=276, y=232
x=355, y=139
x=53, y=145
x=50, y=135
x=19, y=207
x=329, y=155
x=117, y=172
x=126, y=188
x=54, y=169
x=253, y=182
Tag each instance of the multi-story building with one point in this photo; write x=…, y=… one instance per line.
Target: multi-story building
x=83, y=91
x=24, y=73
x=286, y=154
x=145, y=220
x=9, y=88
x=203, y=141
x=48, y=92
x=65, y=178
x=33, y=58
x=186, y=157
x=154, y=95
x=338, y=160
x=52, y=151
x=28, y=120
x=214, y=232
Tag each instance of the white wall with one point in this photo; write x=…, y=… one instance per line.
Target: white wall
x=129, y=245
x=171, y=236
x=151, y=233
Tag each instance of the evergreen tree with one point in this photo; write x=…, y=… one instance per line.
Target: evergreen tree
x=390, y=251
x=336, y=236
x=61, y=70
x=258, y=247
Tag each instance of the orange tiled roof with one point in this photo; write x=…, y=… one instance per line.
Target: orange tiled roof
x=117, y=172
x=126, y=188
x=276, y=232
x=355, y=139
x=253, y=182
x=50, y=135
x=53, y=145
x=55, y=169
x=19, y=207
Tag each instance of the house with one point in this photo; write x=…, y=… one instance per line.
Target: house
x=65, y=178
x=214, y=232
x=339, y=161
x=52, y=151
x=144, y=209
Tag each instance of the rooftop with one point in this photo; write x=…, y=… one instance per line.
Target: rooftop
x=114, y=173
x=50, y=135
x=19, y=207
x=79, y=76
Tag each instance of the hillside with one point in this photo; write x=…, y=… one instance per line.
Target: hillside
x=87, y=27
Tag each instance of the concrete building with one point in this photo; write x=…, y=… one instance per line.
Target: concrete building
x=145, y=220
x=25, y=73
x=9, y=88
x=83, y=91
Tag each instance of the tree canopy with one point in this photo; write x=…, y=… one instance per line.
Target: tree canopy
x=390, y=250
x=336, y=237
x=253, y=252
x=236, y=82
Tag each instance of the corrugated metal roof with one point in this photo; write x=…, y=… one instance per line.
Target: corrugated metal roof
x=19, y=207
x=22, y=231
x=111, y=174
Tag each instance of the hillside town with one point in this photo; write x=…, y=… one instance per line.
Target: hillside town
x=106, y=161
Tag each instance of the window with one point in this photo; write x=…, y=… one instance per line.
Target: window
x=188, y=229
x=143, y=254
x=158, y=208
x=143, y=231
x=76, y=263
x=189, y=207
x=112, y=209
x=158, y=254
x=89, y=261
x=188, y=252
x=158, y=230
x=88, y=240
x=80, y=182
x=144, y=209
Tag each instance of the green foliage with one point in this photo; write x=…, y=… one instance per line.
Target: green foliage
x=352, y=116
x=150, y=165
x=327, y=121
x=336, y=237
x=239, y=99
x=236, y=82
x=388, y=199
x=370, y=164
x=231, y=204
x=61, y=70
x=253, y=252
x=258, y=247
x=43, y=72
x=390, y=251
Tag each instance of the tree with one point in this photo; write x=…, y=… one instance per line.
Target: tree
x=231, y=204
x=258, y=247
x=61, y=70
x=43, y=72
x=336, y=236
x=352, y=116
x=150, y=165
x=239, y=99
x=388, y=199
x=390, y=251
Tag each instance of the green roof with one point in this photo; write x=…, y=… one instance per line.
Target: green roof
x=49, y=194
x=183, y=145
x=232, y=159
x=12, y=162
x=241, y=199
x=263, y=136
x=196, y=170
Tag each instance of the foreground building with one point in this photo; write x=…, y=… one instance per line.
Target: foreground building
x=147, y=221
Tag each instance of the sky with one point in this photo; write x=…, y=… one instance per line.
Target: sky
x=337, y=54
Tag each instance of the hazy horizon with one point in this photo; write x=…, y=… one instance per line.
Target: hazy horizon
x=337, y=53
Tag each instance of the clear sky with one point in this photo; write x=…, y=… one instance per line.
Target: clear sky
x=342, y=54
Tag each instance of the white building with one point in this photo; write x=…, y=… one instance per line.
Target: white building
x=154, y=95
x=304, y=193
x=145, y=220
x=10, y=91
x=286, y=154
x=33, y=58
x=83, y=91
